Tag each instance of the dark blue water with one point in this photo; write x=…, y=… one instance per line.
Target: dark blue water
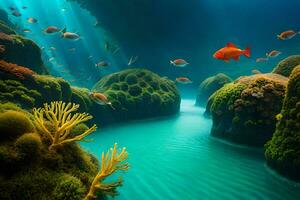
x=158, y=31
x=176, y=158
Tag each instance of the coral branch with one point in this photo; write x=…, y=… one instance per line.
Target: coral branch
x=112, y=161
x=59, y=114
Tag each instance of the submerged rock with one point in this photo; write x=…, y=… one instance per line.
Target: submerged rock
x=286, y=66
x=244, y=111
x=139, y=93
x=209, y=86
x=283, y=151
x=23, y=52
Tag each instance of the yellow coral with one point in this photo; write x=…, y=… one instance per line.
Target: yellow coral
x=111, y=162
x=60, y=115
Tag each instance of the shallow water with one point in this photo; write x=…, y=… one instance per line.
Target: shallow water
x=175, y=158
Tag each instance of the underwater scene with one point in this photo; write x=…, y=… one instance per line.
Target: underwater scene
x=149, y=100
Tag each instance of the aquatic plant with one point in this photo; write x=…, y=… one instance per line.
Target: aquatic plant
x=59, y=114
x=16, y=70
x=244, y=111
x=286, y=66
x=209, y=86
x=111, y=162
x=283, y=150
x=29, y=170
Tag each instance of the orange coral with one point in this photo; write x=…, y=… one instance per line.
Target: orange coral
x=16, y=70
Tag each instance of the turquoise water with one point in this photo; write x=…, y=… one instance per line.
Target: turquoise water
x=175, y=158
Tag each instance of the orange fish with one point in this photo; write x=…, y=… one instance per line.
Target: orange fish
x=51, y=29
x=287, y=35
x=179, y=63
x=183, y=80
x=100, y=99
x=231, y=51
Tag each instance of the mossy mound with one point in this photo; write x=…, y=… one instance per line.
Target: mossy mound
x=23, y=52
x=244, y=111
x=283, y=151
x=29, y=170
x=34, y=92
x=209, y=86
x=286, y=66
x=139, y=93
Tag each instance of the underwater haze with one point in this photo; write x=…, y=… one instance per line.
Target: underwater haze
x=160, y=31
x=149, y=99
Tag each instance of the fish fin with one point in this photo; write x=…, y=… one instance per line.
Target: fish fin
x=246, y=52
x=64, y=30
x=236, y=58
x=230, y=44
x=227, y=61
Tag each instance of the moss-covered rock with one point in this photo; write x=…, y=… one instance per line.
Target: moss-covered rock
x=29, y=170
x=18, y=50
x=136, y=94
x=286, y=66
x=209, y=86
x=244, y=111
x=283, y=151
x=28, y=145
x=13, y=124
x=34, y=92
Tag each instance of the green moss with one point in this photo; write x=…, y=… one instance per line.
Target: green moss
x=286, y=66
x=283, y=151
x=244, y=111
x=13, y=124
x=135, y=90
x=81, y=96
x=29, y=170
x=79, y=129
x=209, y=86
x=28, y=145
x=131, y=79
x=69, y=187
x=131, y=95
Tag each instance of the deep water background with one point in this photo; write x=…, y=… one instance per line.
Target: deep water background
x=158, y=31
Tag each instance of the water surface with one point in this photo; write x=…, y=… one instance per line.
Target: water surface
x=176, y=158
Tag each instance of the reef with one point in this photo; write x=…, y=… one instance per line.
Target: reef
x=244, y=111
x=29, y=170
x=40, y=158
x=286, y=66
x=209, y=86
x=139, y=93
x=283, y=151
x=22, y=86
x=18, y=49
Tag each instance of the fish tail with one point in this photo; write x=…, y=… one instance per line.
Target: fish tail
x=246, y=52
x=279, y=37
x=171, y=62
